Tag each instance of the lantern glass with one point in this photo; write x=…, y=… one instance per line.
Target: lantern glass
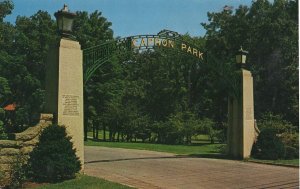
x=238, y=58
x=241, y=56
x=60, y=23
x=65, y=20
x=243, y=59
x=67, y=24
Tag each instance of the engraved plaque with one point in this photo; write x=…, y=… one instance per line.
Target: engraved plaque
x=70, y=105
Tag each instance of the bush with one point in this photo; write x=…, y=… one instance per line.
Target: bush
x=53, y=159
x=3, y=134
x=268, y=145
x=222, y=133
x=290, y=139
x=17, y=172
x=269, y=120
x=221, y=136
x=206, y=126
x=291, y=153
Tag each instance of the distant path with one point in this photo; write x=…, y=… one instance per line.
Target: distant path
x=147, y=169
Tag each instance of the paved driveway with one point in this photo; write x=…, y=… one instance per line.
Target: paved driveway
x=147, y=169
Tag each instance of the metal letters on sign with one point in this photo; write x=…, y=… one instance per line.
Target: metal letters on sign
x=96, y=56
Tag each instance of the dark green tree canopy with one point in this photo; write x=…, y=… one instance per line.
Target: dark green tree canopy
x=6, y=7
x=270, y=32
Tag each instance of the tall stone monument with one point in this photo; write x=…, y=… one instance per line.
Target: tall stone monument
x=241, y=128
x=64, y=82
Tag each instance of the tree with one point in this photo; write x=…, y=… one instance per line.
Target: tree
x=6, y=7
x=23, y=51
x=25, y=69
x=3, y=134
x=269, y=31
x=5, y=91
x=90, y=30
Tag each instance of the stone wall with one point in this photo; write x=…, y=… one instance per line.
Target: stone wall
x=20, y=147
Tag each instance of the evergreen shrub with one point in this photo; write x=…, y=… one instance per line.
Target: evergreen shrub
x=54, y=158
x=291, y=152
x=268, y=146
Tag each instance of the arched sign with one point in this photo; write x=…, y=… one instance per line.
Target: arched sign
x=96, y=56
x=157, y=41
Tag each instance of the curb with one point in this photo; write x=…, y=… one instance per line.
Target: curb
x=276, y=164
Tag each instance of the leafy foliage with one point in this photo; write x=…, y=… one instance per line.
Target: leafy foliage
x=3, y=134
x=268, y=146
x=6, y=7
x=290, y=139
x=269, y=31
x=291, y=152
x=53, y=159
x=18, y=172
x=22, y=70
x=91, y=29
x=268, y=120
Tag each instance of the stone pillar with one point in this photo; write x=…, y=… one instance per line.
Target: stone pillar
x=241, y=129
x=64, y=90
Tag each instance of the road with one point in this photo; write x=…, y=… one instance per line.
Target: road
x=148, y=169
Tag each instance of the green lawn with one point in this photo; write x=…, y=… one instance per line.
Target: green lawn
x=195, y=139
x=196, y=149
x=204, y=138
x=100, y=134
x=86, y=182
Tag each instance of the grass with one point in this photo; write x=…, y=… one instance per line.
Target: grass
x=100, y=134
x=196, y=149
x=288, y=162
x=200, y=148
x=84, y=181
x=197, y=139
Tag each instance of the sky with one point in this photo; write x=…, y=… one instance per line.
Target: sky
x=133, y=17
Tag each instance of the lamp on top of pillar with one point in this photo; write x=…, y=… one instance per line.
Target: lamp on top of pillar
x=241, y=58
x=64, y=19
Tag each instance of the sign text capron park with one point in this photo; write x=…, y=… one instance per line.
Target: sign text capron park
x=159, y=42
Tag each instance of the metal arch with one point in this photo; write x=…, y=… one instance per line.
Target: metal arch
x=95, y=57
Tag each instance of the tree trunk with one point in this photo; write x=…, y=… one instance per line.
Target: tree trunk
x=104, y=132
x=122, y=136
x=110, y=136
x=97, y=131
x=94, y=131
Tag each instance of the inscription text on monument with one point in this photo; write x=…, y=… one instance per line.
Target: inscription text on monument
x=70, y=105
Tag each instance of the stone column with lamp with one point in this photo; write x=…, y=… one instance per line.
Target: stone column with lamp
x=241, y=127
x=64, y=81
